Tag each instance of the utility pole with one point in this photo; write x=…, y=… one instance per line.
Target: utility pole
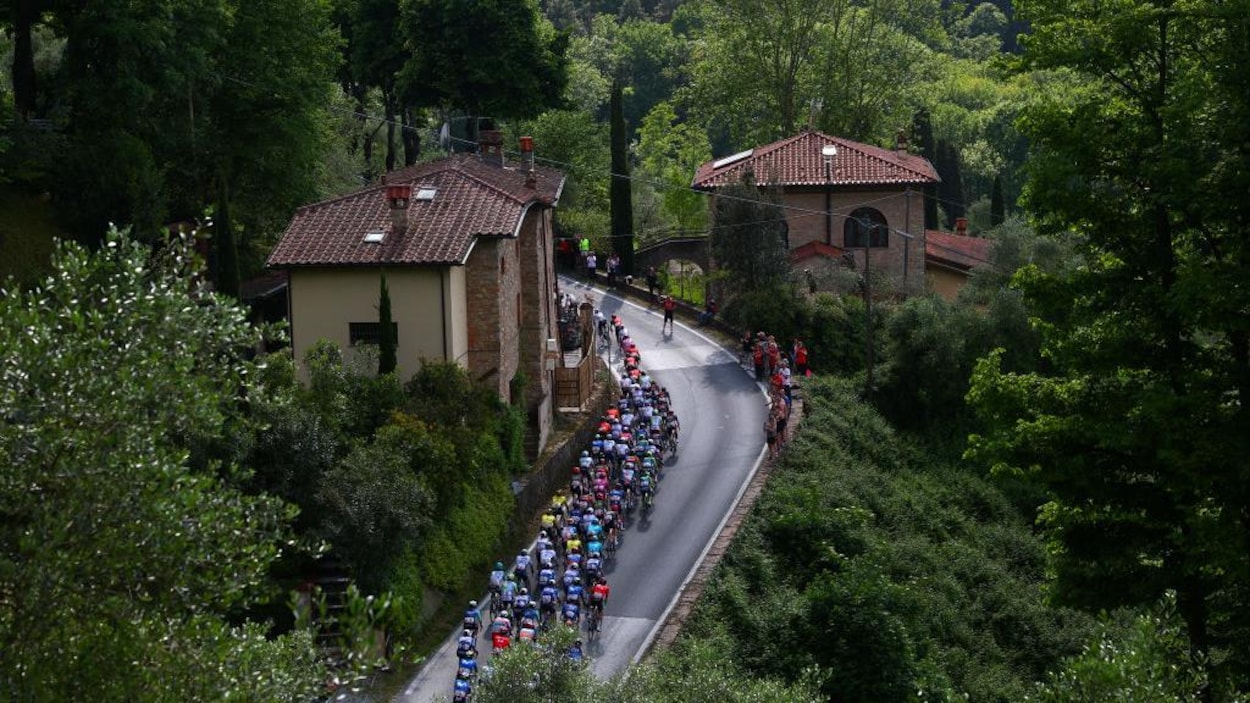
x=867, y=231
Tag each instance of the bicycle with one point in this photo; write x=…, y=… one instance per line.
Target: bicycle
x=594, y=622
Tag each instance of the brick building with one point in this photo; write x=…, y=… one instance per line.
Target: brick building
x=842, y=194
x=465, y=243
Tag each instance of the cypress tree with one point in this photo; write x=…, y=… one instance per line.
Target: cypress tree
x=226, y=245
x=386, y=332
x=951, y=189
x=622, y=190
x=922, y=135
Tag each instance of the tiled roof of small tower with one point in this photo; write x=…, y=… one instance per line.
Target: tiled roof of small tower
x=798, y=161
x=471, y=198
x=958, y=251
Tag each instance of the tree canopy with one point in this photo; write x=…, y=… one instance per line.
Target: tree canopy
x=1135, y=426
x=116, y=554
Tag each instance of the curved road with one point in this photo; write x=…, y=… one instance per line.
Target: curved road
x=722, y=411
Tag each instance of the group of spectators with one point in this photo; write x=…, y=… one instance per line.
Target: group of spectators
x=776, y=367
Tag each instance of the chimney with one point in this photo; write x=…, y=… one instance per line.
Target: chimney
x=398, y=196
x=527, y=161
x=961, y=226
x=900, y=142
x=490, y=146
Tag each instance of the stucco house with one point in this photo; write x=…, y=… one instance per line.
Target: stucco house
x=843, y=195
x=465, y=243
x=950, y=258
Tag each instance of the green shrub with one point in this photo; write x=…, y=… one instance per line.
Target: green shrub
x=460, y=545
x=897, y=573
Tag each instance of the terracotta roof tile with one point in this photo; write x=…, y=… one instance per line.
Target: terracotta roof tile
x=814, y=249
x=798, y=161
x=472, y=199
x=957, y=251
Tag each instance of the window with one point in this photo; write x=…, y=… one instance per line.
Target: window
x=368, y=332
x=866, y=227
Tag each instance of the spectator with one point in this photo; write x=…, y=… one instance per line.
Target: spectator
x=709, y=312
x=799, y=355
x=653, y=283
x=670, y=306
x=591, y=263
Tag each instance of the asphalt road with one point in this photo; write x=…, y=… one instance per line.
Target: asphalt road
x=722, y=412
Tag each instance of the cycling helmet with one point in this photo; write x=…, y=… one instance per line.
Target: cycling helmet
x=466, y=633
x=525, y=591
x=499, y=566
x=585, y=453
x=472, y=604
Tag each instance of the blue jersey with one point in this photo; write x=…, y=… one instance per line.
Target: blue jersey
x=571, y=611
x=549, y=595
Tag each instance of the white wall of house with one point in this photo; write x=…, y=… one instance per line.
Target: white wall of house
x=427, y=304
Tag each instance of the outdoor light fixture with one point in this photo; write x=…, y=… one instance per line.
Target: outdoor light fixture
x=829, y=151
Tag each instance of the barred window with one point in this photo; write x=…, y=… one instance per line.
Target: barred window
x=866, y=227
x=368, y=332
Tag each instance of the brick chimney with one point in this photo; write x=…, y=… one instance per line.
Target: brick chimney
x=398, y=196
x=527, y=161
x=900, y=142
x=490, y=146
x=961, y=226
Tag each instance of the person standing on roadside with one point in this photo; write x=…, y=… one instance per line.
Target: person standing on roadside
x=799, y=356
x=653, y=283
x=670, y=306
x=591, y=263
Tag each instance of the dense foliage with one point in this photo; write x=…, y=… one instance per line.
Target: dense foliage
x=893, y=572
x=693, y=673
x=1136, y=426
x=123, y=566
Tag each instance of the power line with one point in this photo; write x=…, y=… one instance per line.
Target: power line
x=666, y=187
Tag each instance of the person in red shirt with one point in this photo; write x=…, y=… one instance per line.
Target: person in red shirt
x=670, y=305
x=800, y=358
x=599, y=594
x=499, y=642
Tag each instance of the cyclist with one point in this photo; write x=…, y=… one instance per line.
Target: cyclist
x=548, y=600
x=546, y=576
x=529, y=616
x=472, y=618
x=594, y=567
x=573, y=590
x=501, y=623
x=672, y=427
x=546, y=557
x=466, y=646
x=601, y=324
x=466, y=669
x=571, y=614
x=575, y=651
x=585, y=461
x=507, y=592
x=499, y=642
x=527, y=633
x=521, y=567
x=599, y=594
x=463, y=691
x=497, y=576
x=645, y=488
